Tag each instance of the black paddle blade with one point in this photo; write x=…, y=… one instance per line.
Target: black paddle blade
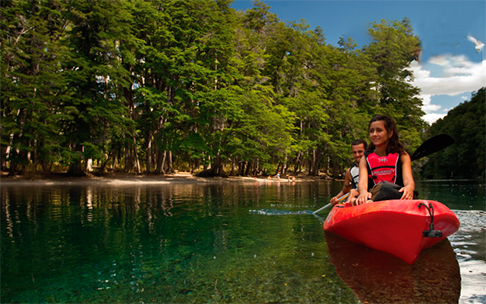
x=433, y=145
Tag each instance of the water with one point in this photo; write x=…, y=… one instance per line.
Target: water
x=214, y=242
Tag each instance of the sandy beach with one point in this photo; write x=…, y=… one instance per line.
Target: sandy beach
x=127, y=178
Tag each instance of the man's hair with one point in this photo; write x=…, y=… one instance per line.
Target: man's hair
x=359, y=142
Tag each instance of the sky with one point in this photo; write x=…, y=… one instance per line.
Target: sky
x=450, y=68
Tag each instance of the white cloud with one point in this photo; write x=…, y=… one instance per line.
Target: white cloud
x=456, y=75
x=432, y=117
x=427, y=106
x=439, y=59
x=459, y=75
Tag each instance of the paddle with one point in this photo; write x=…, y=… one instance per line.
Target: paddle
x=341, y=199
x=322, y=208
x=431, y=145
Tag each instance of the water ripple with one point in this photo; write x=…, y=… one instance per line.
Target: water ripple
x=279, y=212
x=471, y=220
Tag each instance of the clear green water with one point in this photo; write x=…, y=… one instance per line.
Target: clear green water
x=185, y=243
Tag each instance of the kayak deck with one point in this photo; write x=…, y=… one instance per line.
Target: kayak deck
x=393, y=226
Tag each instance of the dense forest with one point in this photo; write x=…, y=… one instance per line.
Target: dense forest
x=153, y=86
x=466, y=159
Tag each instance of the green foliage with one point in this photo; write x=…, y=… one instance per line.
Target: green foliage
x=390, y=52
x=466, y=158
x=148, y=83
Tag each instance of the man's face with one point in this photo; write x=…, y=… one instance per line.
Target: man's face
x=358, y=151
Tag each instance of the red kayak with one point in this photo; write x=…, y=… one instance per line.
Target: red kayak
x=399, y=227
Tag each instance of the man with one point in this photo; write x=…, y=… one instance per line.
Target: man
x=351, y=177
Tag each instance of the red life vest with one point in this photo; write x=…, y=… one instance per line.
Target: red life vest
x=383, y=168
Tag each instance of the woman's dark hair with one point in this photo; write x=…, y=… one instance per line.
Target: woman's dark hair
x=394, y=145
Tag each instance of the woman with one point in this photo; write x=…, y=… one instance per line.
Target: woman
x=385, y=160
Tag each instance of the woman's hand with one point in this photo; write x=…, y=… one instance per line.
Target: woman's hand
x=408, y=182
x=407, y=192
x=353, y=193
x=362, y=198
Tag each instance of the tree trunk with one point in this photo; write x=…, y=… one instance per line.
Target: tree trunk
x=169, y=161
x=89, y=165
x=241, y=167
x=256, y=166
x=316, y=160
x=115, y=159
x=128, y=160
x=134, y=161
x=232, y=167
x=217, y=166
x=298, y=163
x=248, y=168
x=3, y=156
x=149, y=153
x=160, y=162
x=135, y=158
x=75, y=168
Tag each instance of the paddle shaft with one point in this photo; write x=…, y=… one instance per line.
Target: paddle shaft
x=342, y=198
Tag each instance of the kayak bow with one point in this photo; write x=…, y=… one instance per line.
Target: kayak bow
x=399, y=227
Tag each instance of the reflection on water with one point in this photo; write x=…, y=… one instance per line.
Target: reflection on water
x=470, y=247
x=460, y=195
x=188, y=243
x=172, y=243
x=378, y=277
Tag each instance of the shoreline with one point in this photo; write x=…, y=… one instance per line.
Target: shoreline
x=114, y=179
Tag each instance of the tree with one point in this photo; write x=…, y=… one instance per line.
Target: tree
x=158, y=84
x=390, y=52
x=32, y=85
x=350, y=92
x=466, y=124
x=96, y=77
